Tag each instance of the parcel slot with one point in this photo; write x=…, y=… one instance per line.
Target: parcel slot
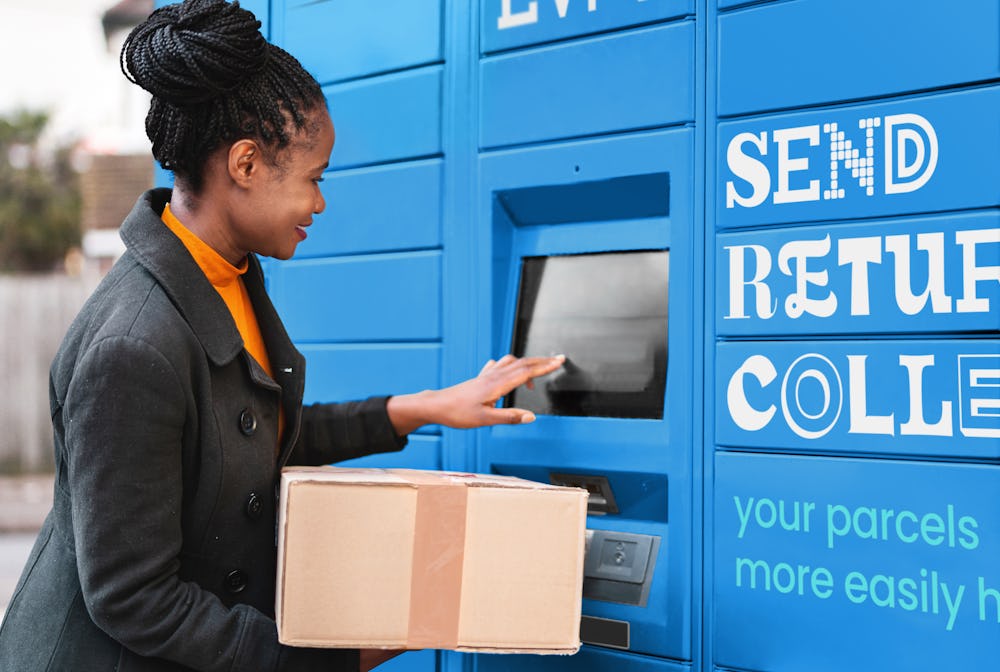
x=601, y=499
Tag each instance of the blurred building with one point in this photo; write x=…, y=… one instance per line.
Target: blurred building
x=117, y=163
x=109, y=188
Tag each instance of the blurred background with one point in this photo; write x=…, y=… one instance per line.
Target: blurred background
x=73, y=159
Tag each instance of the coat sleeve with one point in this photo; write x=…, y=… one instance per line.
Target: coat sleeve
x=124, y=415
x=337, y=432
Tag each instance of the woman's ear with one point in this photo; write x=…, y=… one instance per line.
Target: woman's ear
x=244, y=161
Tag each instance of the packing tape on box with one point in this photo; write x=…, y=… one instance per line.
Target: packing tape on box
x=438, y=555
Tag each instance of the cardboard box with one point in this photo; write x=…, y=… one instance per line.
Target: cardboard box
x=373, y=558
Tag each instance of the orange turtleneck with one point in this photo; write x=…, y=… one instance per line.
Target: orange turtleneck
x=228, y=282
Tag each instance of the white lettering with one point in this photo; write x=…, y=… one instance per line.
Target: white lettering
x=981, y=417
x=563, y=5
x=808, y=368
x=933, y=244
x=764, y=307
x=798, y=302
x=749, y=169
x=903, y=169
x=743, y=414
x=861, y=422
x=857, y=162
x=970, y=301
x=812, y=395
x=858, y=253
x=918, y=282
x=788, y=165
x=508, y=19
x=915, y=365
x=896, y=142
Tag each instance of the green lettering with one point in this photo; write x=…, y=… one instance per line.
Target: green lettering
x=907, y=538
x=890, y=591
x=834, y=511
x=932, y=529
x=856, y=587
x=869, y=517
x=967, y=526
x=822, y=583
x=752, y=567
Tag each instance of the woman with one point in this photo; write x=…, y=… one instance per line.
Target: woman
x=176, y=395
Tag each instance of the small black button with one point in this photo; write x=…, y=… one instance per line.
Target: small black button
x=254, y=506
x=248, y=422
x=236, y=581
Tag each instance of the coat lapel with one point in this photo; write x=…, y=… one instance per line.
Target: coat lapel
x=167, y=260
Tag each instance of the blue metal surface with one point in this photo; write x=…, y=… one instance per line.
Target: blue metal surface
x=391, y=297
x=840, y=564
x=609, y=83
x=387, y=118
x=377, y=209
x=808, y=52
x=359, y=370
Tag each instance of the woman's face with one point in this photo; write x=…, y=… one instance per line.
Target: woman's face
x=286, y=195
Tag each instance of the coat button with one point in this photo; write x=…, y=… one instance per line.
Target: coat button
x=236, y=581
x=248, y=422
x=254, y=506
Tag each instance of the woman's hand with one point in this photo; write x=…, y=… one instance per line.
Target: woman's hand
x=472, y=403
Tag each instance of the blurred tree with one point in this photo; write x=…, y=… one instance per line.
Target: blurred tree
x=39, y=197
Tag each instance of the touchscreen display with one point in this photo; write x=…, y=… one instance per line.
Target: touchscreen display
x=608, y=314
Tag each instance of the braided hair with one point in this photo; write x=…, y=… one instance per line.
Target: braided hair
x=214, y=79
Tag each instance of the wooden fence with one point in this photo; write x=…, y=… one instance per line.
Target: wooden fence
x=35, y=312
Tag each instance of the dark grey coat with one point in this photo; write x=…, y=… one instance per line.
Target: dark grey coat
x=159, y=553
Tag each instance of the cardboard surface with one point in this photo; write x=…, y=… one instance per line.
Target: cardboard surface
x=421, y=559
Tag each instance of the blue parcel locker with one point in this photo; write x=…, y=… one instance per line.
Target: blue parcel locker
x=590, y=203
x=856, y=267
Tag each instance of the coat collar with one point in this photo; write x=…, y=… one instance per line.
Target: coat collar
x=157, y=249
x=168, y=261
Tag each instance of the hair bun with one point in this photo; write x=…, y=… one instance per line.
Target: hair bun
x=195, y=51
